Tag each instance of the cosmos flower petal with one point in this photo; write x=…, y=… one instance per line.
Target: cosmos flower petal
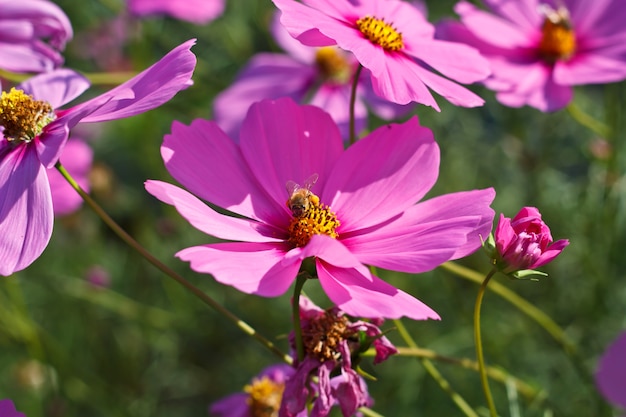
x=76, y=159
x=524, y=13
x=253, y=268
x=611, y=372
x=151, y=88
x=333, y=99
x=552, y=252
x=234, y=405
x=590, y=69
x=207, y=220
x=203, y=159
x=308, y=140
x=369, y=297
x=297, y=18
x=57, y=87
x=26, y=216
x=194, y=11
x=453, y=92
x=364, y=188
x=7, y=409
x=430, y=233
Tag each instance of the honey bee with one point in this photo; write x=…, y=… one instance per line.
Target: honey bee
x=301, y=198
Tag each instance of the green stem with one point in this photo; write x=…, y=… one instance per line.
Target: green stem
x=355, y=83
x=479, y=345
x=246, y=328
x=435, y=374
x=295, y=312
x=95, y=78
x=588, y=121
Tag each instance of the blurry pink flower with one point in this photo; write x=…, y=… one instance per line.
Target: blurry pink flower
x=323, y=76
x=34, y=134
x=194, y=11
x=394, y=41
x=365, y=212
x=611, y=372
x=76, y=158
x=32, y=33
x=264, y=393
x=98, y=276
x=7, y=409
x=538, y=51
x=525, y=242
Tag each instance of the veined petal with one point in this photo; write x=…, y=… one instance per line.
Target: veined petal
x=26, y=215
x=76, y=159
x=306, y=137
x=253, y=268
x=297, y=19
x=151, y=88
x=194, y=11
x=369, y=297
x=56, y=87
x=453, y=92
x=522, y=12
x=205, y=219
x=382, y=174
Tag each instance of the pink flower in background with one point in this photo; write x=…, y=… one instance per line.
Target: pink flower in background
x=321, y=75
x=611, y=372
x=539, y=50
x=264, y=393
x=525, y=242
x=395, y=42
x=366, y=212
x=76, y=158
x=7, y=409
x=194, y=11
x=34, y=134
x=32, y=34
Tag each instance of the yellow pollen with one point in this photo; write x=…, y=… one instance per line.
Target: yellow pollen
x=380, y=33
x=317, y=219
x=322, y=336
x=333, y=65
x=558, y=41
x=22, y=117
x=264, y=397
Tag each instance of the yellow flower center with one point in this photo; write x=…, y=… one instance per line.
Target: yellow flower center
x=558, y=41
x=22, y=117
x=322, y=336
x=333, y=65
x=313, y=218
x=380, y=33
x=264, y=397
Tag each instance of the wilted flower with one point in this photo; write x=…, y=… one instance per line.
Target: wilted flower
x=611, y=372
x=362, y=209
x=539, y=50
x=322, y=76
x=262, y=397
x=525, y=242
x=331, y=343
x=194, y=11
x=34, y=133
x=395, y=42
x=32, y=33
x=7, y=409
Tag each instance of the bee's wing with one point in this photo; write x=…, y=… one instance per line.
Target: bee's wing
x=291, y=187
x=309, y=182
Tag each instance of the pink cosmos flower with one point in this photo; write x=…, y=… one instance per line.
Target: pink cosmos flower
x=321, y=75
x=395, y=42
x=32, y=33
x=360, y=211
x=611, y=372
x=265, y=392
x=7, y=409
x=34, y=134
x=194, y=11
x=525, y=242
x=539, y=50
x=76, y=158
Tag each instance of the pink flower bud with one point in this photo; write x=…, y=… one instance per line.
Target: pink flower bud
x=525, y=242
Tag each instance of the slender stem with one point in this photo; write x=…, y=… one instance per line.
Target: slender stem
x=435, y=374
x=355, y=83
x=479, y=345
x=588, y=121
x=295, y=312
x=246, y=328
x=95, y=78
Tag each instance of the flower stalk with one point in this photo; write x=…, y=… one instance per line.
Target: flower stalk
x=355, y=84
x=482, y=369
x=295, y=311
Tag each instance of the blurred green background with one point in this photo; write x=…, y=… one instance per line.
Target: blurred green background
x=144, y=346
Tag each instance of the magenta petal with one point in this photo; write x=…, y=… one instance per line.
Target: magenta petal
x=253, y=268
x=550, y=253
x=234, y=405
x=7, y=409
x=382, y=174
x=76, y=159
x=611, y=372
x=194, y=11
x=151, y=88
x=369, y=297
x=26, y=215
x=56, y=87
x=207, y=220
